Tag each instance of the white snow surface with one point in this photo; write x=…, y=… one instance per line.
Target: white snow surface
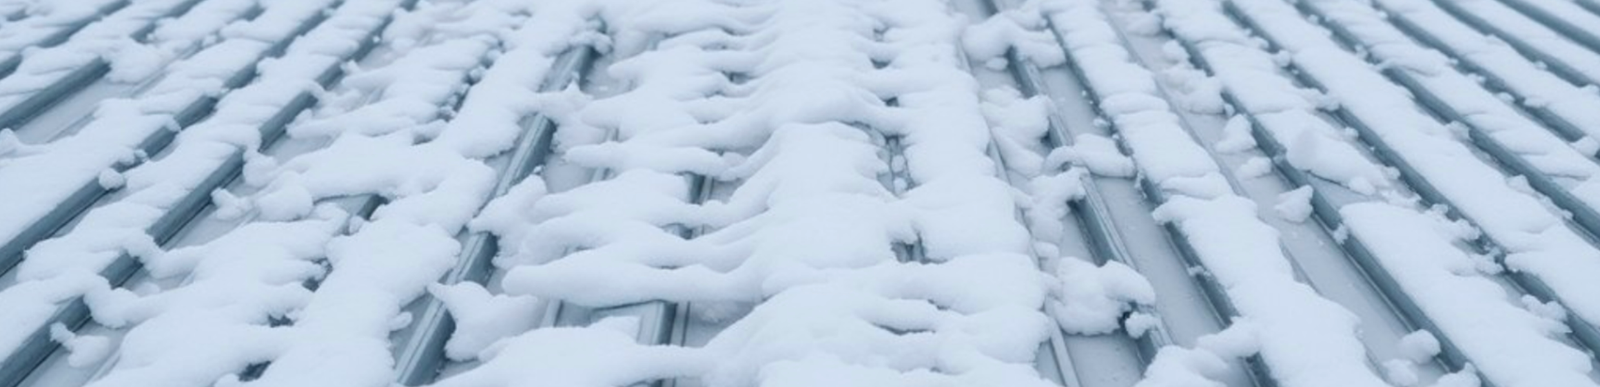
x=784, y=106
x=105, y=233
x=1239, y=249
x=1536, y=87
x=1539, y=241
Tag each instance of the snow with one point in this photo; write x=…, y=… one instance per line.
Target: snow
x=83, y=350
x=340, y=335
x=113, y=41
x=1199, y=366
x=1138, y=324
x=805, y=174
x=158, y=186
x=798, y=256
x=1099, y=154
x=1018, y=123
x=1419, y=346
x=1239, y=249
x=482, y=319
x=1503, y=124
x=1272, y=101
x=1295, y=205
x=1183, y=367
x=1012, y=30
x=1529, y=36
x=1051, y=195
x=1510, y=345
x=46, y=19
x=1401, y=372
x=44, y=178
x=111, y=179
x=1467, y=181
x=587, y=357
x=234, y=285
x=1091, y=299
x=1254, y=167
x=1509, y=215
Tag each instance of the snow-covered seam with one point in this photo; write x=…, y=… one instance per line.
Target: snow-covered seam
x=49, y=25
x=1250, y=78
x=1548, y=165
x=341, y=335
x=283, y=90
x=499, y=110
x=13, y=10
x=164, y=192
x=1564, y=16
x=1564, y=57
x=1382, y=103
x=1574, y=111
x=217, y=322
x=810, y=176
x=1507, y=342
x=114, y=45
x=130, y=45
x=1236, y=247
x=48, y=186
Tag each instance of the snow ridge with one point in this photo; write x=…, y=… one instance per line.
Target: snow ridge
x=807, y=175
x=62, y=268
x=1238, y=249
